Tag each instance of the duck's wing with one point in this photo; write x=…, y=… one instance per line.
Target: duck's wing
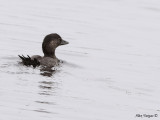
x=28, y=61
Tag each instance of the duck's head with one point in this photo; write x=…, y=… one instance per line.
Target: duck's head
x=51, y=42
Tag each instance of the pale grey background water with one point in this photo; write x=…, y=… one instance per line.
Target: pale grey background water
x=111, y=66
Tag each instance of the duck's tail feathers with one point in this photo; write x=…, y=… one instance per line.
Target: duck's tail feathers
x=27, y=61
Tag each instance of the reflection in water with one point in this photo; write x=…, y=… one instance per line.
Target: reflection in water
x=47, y=71
x=42, y=110
x=47, y=88
x=44, y=102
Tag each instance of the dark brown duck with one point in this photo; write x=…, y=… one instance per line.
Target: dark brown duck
x=49, y=45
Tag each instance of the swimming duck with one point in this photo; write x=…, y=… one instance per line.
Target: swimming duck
x=49, y=45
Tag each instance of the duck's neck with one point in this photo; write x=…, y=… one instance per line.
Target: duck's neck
x=51, y=54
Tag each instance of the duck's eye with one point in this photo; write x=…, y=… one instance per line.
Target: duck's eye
x=60, y=39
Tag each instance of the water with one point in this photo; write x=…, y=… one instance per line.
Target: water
x=110, y=69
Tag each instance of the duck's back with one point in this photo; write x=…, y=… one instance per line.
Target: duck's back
x=48, y=62
x=38, y=57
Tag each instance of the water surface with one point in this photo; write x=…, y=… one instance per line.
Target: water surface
x=110, y=69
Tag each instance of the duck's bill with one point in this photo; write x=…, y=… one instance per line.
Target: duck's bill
x=63, y=42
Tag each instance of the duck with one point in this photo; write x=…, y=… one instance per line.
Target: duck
x=49, y=45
